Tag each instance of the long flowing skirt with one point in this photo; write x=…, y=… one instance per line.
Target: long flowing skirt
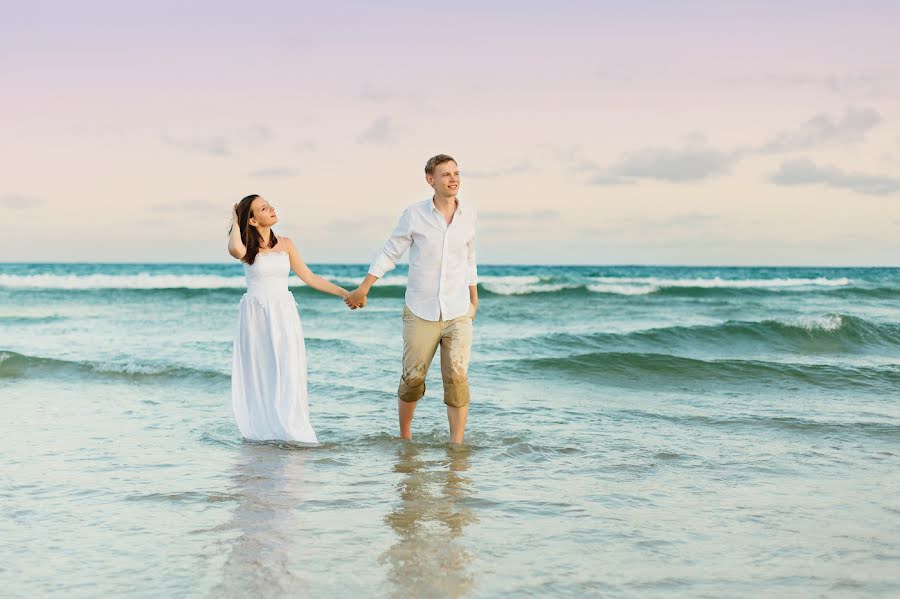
x=268, y=372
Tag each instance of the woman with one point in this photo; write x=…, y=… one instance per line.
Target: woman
x=268, y=373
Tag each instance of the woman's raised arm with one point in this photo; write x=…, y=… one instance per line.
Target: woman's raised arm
x=235, y=244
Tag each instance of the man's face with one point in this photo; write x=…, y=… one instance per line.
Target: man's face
x=445, y=179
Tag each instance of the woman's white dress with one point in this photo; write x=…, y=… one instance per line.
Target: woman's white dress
x=268, y=372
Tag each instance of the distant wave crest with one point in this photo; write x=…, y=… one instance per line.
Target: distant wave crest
x=16, y=365
x=641, y=369
x=648, y=285
x=826, y=334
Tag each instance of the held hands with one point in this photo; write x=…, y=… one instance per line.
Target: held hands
x=356, y=299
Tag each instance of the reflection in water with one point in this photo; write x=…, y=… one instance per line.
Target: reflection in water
x=268, y=482
x=427, y=560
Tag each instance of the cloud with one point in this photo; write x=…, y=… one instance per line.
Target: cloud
x=805, y=172
x=216, y=145
x=516, y=169
x=19, y=201
x=381, y=131
x=369, y=93
x=606, y=180
x=255, y=135
x=823, y=129
x=696, y=160
x=277, y=172
x=222, y=145
x=692, y=162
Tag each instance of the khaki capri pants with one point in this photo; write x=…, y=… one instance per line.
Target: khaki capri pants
x=421, y=338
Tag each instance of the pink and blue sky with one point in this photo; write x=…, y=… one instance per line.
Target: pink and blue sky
x=586, y=132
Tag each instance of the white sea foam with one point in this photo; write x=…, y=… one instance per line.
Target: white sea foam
x=521, y=285
x=828, y=322
x=622, y=288
x=645, y=285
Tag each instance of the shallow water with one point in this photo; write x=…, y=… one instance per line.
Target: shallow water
x=634, y=432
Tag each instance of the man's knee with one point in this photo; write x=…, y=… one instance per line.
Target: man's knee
x=412, y=388
x=456, y=390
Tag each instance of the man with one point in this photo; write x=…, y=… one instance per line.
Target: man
x=441, y=293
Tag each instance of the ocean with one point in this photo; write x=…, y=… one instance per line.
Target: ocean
x=634, y=432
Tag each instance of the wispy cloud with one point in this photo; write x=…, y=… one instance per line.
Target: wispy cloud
x=823, y=129
x=606, y=180
x=692, y=162
x=215, y=145
x=696, y=160
x=254, y=135
x=20, y=201
x=518, y=168
x=381, y=131
x=370, y=93
x=805, y=172
x=222, y=145
x=277, y=172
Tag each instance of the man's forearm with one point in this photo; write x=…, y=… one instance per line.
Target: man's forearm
x=367, y=283
x=473, y=294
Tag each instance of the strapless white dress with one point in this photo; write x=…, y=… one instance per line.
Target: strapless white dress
x=268, y=372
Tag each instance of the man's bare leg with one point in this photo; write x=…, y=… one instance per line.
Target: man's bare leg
x=457, y=418
x=405, y=410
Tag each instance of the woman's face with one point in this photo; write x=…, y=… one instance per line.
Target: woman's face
x=262, y=213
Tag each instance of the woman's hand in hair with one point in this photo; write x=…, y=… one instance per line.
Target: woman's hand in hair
x=235, y=244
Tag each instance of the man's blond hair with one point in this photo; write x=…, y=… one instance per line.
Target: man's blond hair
x=436, y=160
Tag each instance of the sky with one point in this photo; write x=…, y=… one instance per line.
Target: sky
x=738, y=133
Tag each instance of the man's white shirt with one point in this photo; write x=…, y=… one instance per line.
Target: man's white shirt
x=441, y=259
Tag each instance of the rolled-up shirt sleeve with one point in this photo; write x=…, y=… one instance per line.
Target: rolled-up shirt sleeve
x=399, y=241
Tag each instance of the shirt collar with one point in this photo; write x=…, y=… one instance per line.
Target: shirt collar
x=459, y=205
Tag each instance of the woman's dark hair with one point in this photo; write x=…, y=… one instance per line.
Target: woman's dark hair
x=249, y=234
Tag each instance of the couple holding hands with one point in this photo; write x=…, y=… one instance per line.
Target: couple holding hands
x=268, y=378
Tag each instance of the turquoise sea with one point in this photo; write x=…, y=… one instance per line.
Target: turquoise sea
x=634, y=432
